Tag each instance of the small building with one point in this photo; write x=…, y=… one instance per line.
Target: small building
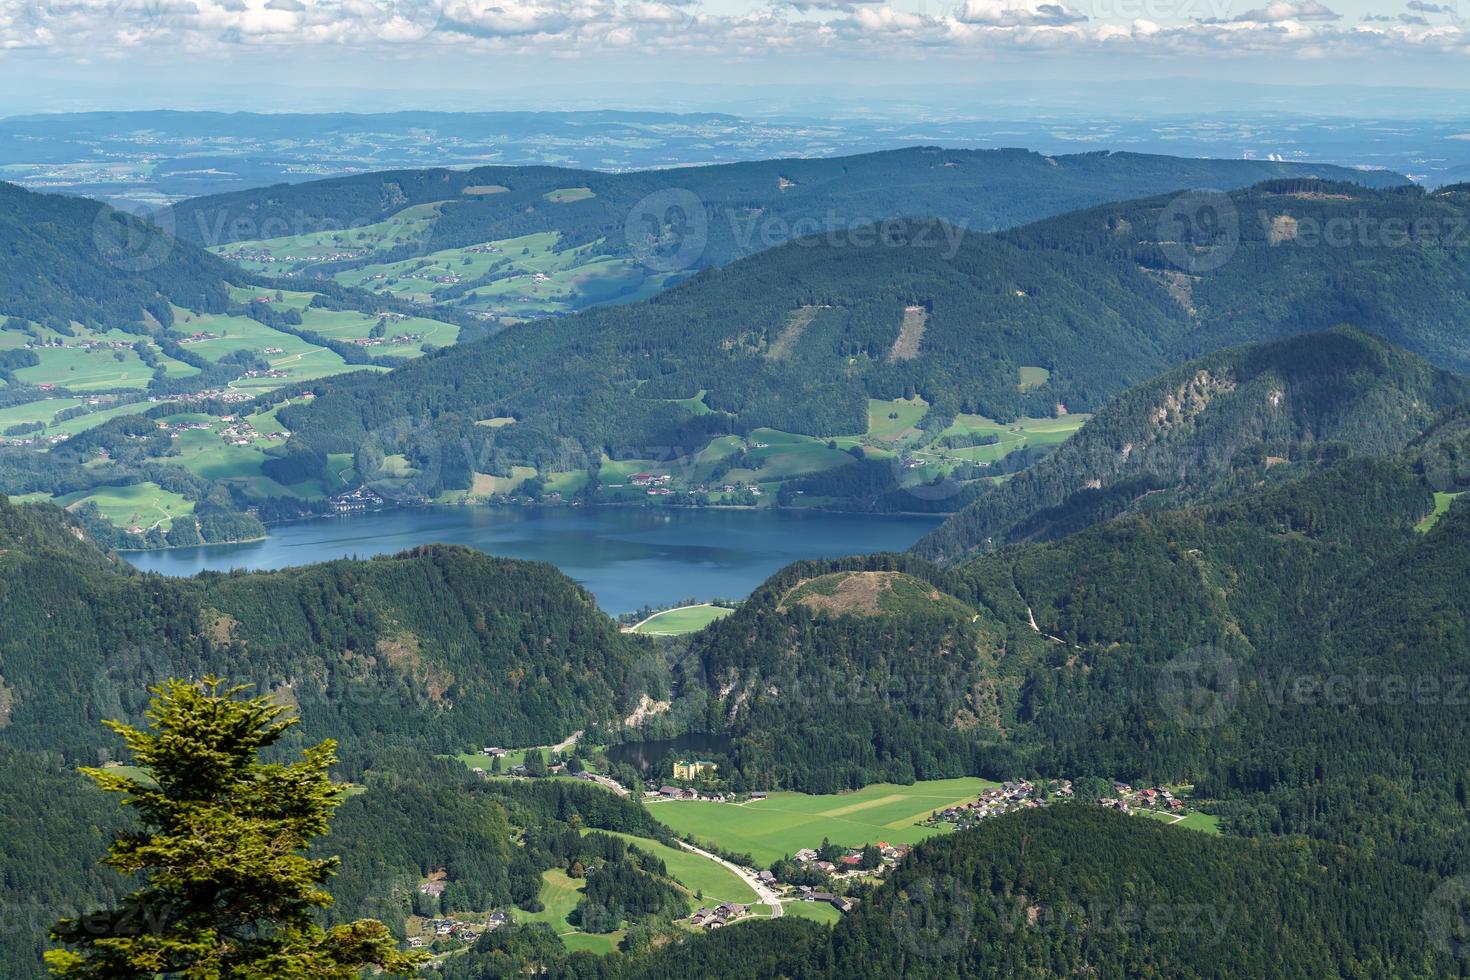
x=691, y=770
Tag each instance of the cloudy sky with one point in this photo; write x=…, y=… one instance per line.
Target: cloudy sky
x=303, y=54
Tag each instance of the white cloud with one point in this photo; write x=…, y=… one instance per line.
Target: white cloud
x=995, y=13
x=1281, y=11
x=1303, y=29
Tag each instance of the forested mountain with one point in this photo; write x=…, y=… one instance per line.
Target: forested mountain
x=70, y=259
x=399, y=659
x=1263, y=646
x=799, y=337
x=747, y=206
x=443, y=647
x=1218, y=422
x=1072, y=890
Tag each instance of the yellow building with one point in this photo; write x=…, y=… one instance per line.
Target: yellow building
x=684, y=769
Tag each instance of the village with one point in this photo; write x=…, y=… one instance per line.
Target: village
x=1022, y=794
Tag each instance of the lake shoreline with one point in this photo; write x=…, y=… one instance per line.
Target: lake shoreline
x=627, y=557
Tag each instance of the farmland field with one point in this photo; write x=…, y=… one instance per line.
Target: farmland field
x=142, y=504
x=890, y=421
x=786, y=822
x=685, y=619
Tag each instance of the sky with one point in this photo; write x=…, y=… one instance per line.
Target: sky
x=296, y=55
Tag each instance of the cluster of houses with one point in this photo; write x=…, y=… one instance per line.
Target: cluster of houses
x=689, y=793
x=239, y=432
x=266, y=258
x=851, y=859
x=35, y=440
x=228, y=395
x=57, y=343
x=356, y=501
x=719, y=916
x=436, y=930
x=1125, y=799
x=1021, y=794
x=403, y=338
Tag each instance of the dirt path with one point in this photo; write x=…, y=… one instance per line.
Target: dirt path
x=1032, y=616
x=567, y=742
x=765, y=894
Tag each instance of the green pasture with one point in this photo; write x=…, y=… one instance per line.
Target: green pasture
x=823, y=912
x=685, y=619
x=145, y=505
x=890, y=421
x=1442, y=503
x=784, y=823
x=698, y=874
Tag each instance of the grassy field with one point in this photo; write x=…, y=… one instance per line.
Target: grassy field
x=895, y=420
x=410, y=225
x=786, y=822
x=685, y=619
x=1033, y=377
x=697, y=874
x=142, y=504
x=1442, y=503
x=560, y=895
x=1205, y=822
x=823, y=912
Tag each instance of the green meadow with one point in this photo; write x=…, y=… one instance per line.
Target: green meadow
x=560, y=895
x=1442, y=503
x=698, y=875
x=145, y=505
x=685, y=619
x=784, y=823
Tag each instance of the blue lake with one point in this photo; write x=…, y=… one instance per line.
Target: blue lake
x=626, y=557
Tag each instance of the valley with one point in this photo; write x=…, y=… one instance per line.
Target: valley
x=923, y=563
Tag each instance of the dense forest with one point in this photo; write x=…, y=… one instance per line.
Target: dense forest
x=798, y=337
x=442, y=647
x=1068, y=891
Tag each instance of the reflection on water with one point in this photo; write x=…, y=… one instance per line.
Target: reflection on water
x=627, y=557
x=643, y=755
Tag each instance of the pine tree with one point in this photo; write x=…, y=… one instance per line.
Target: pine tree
x=228, y=891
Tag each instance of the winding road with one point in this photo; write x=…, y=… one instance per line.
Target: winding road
x=765, y=894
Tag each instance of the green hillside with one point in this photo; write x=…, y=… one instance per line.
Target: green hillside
x=107, y=319
x=801, y=339
x=1220, y=422
x=443, y=647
